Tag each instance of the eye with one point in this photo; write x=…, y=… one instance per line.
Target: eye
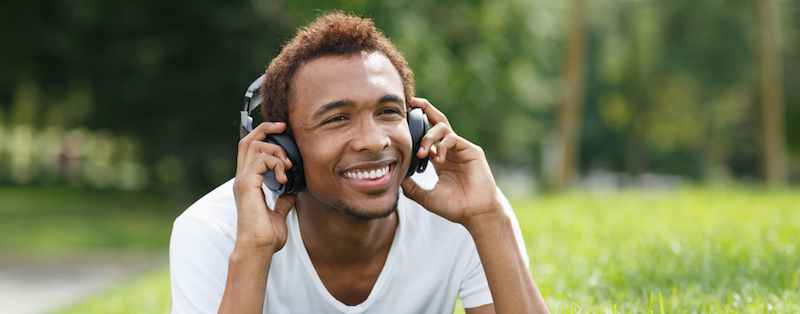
x=389, y=111
x=334, y=119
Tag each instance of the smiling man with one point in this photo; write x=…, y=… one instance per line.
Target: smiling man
x=351, y=242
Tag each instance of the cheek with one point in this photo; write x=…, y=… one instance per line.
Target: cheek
x=402, y=139
x=316, y=154
x=319, y=160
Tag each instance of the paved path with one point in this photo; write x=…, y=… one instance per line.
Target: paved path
x=35, y=284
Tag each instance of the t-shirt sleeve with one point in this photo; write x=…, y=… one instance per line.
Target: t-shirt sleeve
x=474, y=291
x=199, y=252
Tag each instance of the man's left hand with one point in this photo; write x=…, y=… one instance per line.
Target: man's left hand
x=466, y=188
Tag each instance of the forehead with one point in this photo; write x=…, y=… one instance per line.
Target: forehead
x=361, y=77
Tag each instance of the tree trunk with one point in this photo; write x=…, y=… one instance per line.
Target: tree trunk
x=569, y=116
x=775, y=164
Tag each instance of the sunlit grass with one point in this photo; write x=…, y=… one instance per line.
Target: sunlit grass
x=148, y=294
x=696, y=250
x=693, y=250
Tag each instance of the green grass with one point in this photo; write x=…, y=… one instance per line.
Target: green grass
x=696, y=250
x=149, y=294
x=42, y=219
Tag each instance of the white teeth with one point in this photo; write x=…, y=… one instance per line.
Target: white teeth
x=372, y=174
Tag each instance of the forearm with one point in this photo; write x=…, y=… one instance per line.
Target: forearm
x=247, y=281
x=513, y=289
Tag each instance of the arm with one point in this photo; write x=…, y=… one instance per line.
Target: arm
x=261, y=231
x=466, y=193
x=513, y=289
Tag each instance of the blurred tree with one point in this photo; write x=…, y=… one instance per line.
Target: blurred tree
x=570, y=112
x=675, y=82
x=776, y=171
x=791, y=39
x=168, y=73
x=671, y=87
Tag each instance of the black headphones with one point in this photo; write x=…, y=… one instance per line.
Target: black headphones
x=418, y=125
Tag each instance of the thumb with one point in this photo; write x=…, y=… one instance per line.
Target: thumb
x=415, y=192
x=284, y=204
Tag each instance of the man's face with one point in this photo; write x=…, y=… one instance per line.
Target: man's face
x=348, y=118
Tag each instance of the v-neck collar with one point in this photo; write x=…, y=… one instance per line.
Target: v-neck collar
x=294, y=225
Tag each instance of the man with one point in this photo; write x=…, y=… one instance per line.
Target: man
x=352, y=244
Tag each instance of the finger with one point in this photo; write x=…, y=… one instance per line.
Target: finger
x=248, y=195
x=435, y=134
x=254, y=176
x=284, y=204
x=258, y=147
x=415, y=192
x=258, y=134
x=451, y=142
x=434, y=115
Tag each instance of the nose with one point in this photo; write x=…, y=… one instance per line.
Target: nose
x=370, y=136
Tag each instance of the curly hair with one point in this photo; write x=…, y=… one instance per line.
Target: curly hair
x=337, y=34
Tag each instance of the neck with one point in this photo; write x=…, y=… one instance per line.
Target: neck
x=331, y=236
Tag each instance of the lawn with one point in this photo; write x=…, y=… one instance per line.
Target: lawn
x=57, y=218
x=687, y=251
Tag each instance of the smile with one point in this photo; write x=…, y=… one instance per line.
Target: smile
x=364, y=174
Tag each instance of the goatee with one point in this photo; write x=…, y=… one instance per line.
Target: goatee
x=365, y=215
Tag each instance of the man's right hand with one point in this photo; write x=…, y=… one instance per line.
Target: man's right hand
x=260, y=229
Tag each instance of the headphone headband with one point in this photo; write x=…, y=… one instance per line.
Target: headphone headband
x=252, y=99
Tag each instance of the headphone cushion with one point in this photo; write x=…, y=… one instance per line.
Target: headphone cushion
x=296, y=182
x=418, y=125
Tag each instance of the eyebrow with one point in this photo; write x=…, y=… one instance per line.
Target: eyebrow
x=390, y=98
x=349, y=103
x=333, y=105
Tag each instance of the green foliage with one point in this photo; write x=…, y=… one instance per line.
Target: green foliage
x=671, y=85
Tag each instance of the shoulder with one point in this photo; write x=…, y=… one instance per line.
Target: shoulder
x=215, y=212
x=202, y=240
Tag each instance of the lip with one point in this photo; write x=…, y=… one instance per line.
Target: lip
x=371, y=186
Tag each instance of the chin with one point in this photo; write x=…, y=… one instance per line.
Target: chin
x=367, y=212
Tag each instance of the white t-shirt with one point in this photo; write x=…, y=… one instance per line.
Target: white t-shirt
x=431, y=262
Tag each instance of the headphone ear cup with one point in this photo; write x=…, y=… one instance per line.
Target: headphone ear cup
x=418, y=125
x=296, y=182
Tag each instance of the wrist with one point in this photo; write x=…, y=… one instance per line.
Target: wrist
x=248, y=247
x=250, y=258
x=488, y=222
x=248, y=270
x=254, y=241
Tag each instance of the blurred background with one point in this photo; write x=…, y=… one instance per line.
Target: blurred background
x=145, y=95
x=116, y=115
